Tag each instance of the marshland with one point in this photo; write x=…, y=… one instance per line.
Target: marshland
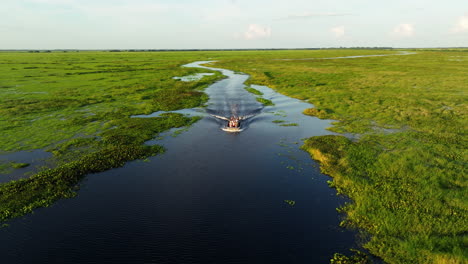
x=344, y=150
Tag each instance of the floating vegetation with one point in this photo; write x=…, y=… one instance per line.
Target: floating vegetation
x=253, y=90
x=289, y=125
x=265, y=102
x=290, y=202
x=7, y=167
x=278, y=121
x=281, y=113
x=16, y=165
x=357, y=258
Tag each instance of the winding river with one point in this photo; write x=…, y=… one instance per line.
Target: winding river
x=213, y=197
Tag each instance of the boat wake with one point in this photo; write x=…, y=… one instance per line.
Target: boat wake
x=225, y=117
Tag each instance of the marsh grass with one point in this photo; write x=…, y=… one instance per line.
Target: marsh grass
x=253, y=91
x=78, y=107
x=78, y=93
x=289, y=124
x=7, y=167
x=277, y=121
x=408, y=187
x=19, y=165
x=259, y=99
x=264, y=101
x=406, y=172
x=357, y=257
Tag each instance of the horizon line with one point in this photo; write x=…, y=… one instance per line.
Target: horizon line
x=224, y=49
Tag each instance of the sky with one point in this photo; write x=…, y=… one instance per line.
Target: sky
x=236, y=24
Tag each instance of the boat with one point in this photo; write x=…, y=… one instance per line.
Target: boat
x=232, y=129
x=233, y=125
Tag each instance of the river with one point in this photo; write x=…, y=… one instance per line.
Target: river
x=213, y=197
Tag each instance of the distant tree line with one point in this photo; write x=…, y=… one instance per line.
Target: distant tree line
x=172, y=50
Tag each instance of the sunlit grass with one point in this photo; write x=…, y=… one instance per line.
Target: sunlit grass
x=406, y=173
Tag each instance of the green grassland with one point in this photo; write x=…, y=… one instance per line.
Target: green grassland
x=79, y=93
x=78, y=106
x=406, y=171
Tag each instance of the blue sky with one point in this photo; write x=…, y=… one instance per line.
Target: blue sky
x=185, y=24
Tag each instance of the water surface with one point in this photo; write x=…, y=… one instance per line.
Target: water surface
x=213, y=197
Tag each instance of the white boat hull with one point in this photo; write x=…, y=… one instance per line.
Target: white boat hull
x=232, y=129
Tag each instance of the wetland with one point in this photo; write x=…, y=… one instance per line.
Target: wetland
x=132, y=138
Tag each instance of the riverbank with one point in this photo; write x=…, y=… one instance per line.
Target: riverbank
x=405, y=169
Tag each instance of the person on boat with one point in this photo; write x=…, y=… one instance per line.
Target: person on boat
x=233, y=122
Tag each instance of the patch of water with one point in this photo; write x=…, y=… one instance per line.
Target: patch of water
x=35, y=158
x=193, y=77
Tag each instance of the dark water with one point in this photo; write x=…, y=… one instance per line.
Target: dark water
x=214, y=197
x=35, y=159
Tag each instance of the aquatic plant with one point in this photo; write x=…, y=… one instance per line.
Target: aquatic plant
x=357, y=258
x=265, y=102
x=278, y=121
x=19, y=165
x=253, y=90
x=6, y=167
x=320, y=113
x=289, y=124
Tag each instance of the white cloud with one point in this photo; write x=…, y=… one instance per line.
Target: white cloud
x=257, y=31
x=462, y=25
x=404, y=30
x=338, y=31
